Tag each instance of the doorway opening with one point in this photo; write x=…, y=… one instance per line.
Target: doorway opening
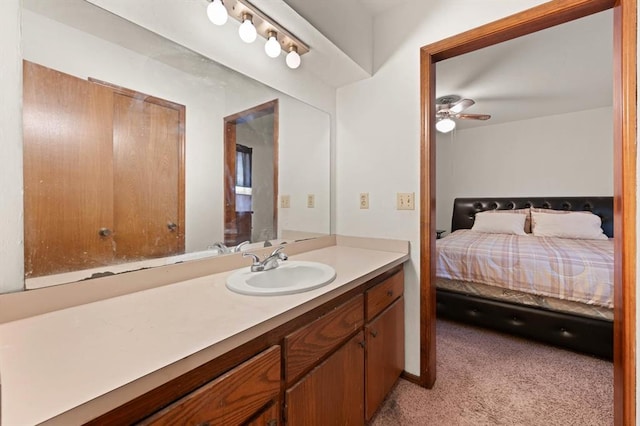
x=625, y=52
x=251, y=174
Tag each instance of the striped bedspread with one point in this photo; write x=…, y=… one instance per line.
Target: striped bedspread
x=577, y=270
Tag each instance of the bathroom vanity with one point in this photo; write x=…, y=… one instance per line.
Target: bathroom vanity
x=194, y=352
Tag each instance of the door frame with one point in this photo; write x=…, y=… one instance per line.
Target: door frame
x=625, y=115
x=230, y=123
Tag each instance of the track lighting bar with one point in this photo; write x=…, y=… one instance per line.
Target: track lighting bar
x=264, y=25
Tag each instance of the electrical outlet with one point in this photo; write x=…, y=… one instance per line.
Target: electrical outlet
x=311, y=201
x=364, y=200
x=285, y=201
x=406, y=201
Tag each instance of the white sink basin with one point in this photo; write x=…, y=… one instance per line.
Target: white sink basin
x=292, y=276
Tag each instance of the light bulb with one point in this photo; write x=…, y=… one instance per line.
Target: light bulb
x=445, y=125
x=247, y=31
x=293, y=58
x=272, y=47
x=217, y=13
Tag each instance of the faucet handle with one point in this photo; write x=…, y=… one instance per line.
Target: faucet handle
x=256, y=259
x=276, y=251
x=279, y=254
x=238, y=248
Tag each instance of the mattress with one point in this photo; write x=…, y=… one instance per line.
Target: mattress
x=552, y=268
x=522, y=298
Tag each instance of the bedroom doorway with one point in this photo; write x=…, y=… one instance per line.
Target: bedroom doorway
x=625, y=51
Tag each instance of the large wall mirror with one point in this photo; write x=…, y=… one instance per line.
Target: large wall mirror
x=139, y=152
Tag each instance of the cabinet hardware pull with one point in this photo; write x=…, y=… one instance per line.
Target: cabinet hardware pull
x=374, y=333
x=272, y=422
x=361, y=344
x=389, y=293
x=172, y=226
x=104, y=232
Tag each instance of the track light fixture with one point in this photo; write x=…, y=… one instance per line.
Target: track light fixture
x=217, y=13
x=272, y=47
x=247, y=31
x=293, y=58
x=254, y=22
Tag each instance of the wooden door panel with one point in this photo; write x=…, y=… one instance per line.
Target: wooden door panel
x=146, y=149
x=333, y=392
x=385, y=355
x=67, y=172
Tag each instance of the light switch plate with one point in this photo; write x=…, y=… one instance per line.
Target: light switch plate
x=406, y=201
x=311, y=201
x=285, y=202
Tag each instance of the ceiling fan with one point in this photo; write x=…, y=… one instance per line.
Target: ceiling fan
x=450, y=107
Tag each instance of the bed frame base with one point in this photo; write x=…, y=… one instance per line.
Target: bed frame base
x=578, y=333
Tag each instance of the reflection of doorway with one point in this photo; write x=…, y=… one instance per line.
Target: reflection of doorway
x=625, y=45
x=251, y=174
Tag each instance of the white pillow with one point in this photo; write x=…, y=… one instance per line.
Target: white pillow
x=577, y=225
x=499, y=223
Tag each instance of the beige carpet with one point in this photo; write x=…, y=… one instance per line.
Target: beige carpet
x=488, y=378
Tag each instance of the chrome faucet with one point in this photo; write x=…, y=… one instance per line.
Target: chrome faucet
x=238, y=248
x=270, y=262
x=223, y=249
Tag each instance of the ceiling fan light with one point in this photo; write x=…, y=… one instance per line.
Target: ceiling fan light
x=293, y=58
x=247, y=31
x=217, y=13
x=445, y=125
x=272, y=47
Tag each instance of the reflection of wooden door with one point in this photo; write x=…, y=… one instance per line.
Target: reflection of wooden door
x=234, y=221
x=146, y=149
x=67, y=172
x=103, y=173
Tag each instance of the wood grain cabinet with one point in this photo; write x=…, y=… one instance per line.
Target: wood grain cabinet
x=245, y=395
x=331, y=394
x=385, y=355
x=384, y=335
x=351, y=384
x=337, y=364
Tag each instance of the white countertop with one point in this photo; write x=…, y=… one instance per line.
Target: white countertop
x=56, y=361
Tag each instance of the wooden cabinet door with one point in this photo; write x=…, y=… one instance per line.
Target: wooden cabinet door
x=269, y=416
x=333, y=392
x=233, y=399
x=147, y=154
x=68, y=188
x=385, y=354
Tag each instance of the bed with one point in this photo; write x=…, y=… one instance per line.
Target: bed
x=582, y=325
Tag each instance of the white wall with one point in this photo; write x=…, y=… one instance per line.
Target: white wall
x=11, y=243
x=345, y=24
x=378, y=130
x=561, y=155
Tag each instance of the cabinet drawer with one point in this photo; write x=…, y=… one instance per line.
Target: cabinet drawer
x=381, y=296
x=307, y=345
x=231, y=399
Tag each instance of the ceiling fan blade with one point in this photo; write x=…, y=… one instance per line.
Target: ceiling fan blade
x=473, y=116
x=461, y=106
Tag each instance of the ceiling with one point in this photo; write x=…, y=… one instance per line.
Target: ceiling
x=375, y=7
x=559, y=70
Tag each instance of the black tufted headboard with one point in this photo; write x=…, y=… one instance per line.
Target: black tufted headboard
x=465, y=209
